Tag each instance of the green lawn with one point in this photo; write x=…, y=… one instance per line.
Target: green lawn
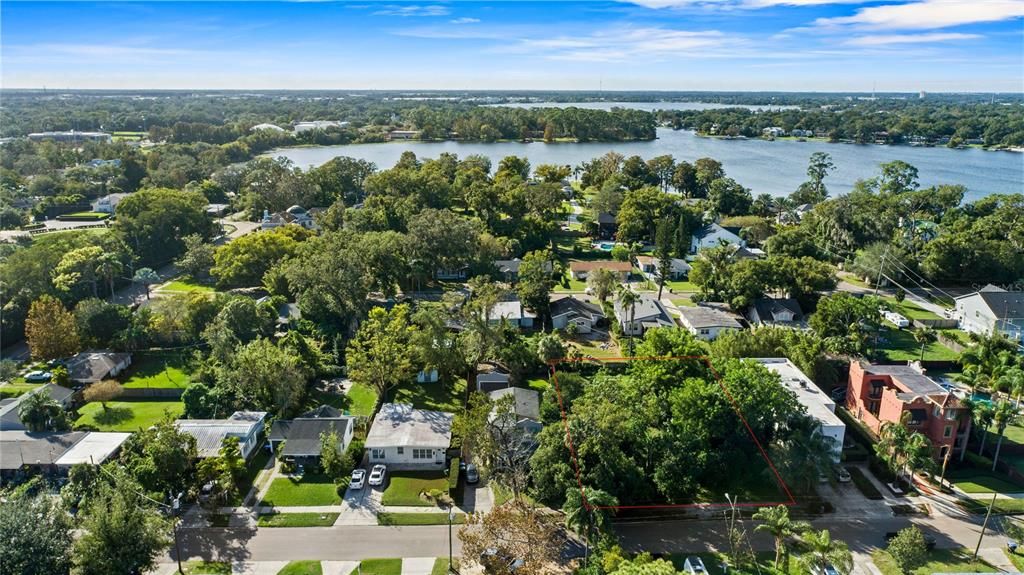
x=419, y=519
x=441, y=566
x=128, y=415
x=16, y=389
x=682, y=286
x=312, y=489
x=1017, y=560
x=908, y=309
x=380, y=567
x=570, y=285
x=158, y=370
x=1014, y=432
x=88, y=215
x=503, y=495
x=979, y=481
x=297, y=519
x=899, y=345
x=207, y=568
x=538, y=384
x=438, y=396
x=1001, y=506
x=939, y=561
x=591, y=348
x=187, y=284
x=684, y=302
x=360, y=400
x=404, y=487
x=302, y=568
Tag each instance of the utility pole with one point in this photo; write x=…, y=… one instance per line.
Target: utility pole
x=984, y=526
x=945, y=462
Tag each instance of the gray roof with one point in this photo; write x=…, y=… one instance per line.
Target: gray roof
x=605, y=218
x=527, y=401
x=707, y=317
x=210, y=433
x=712, y=229
x=302, y=435
x=512, y=310
x=917, y=382
x=399, y=425
x=646, y=309
x=766, y=306
x=9, y=418
x=18, y=447
x=1006, y=305
x=93, y=366
x=575, y=307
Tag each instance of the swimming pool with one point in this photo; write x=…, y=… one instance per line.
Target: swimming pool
x=605, y=246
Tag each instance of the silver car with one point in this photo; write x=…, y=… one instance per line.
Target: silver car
x=358, y=479
x=377, y=474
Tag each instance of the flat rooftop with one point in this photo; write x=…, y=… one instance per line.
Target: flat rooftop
x=915, y=381
x=819, y=405
x=94, y=448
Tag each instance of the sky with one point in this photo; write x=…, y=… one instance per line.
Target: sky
x=784, y=45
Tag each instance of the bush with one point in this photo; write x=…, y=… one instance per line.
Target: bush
x=880, y=469
x=352, y=458
x=864, y=485
x=977, y=461
x=453, y=475
x=908, y=549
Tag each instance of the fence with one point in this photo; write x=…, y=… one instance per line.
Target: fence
x=152, y=392
x=937, y=323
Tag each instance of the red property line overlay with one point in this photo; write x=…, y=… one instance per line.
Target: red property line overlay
x=735, y=406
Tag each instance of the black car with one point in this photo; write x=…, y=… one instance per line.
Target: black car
x=929, y=541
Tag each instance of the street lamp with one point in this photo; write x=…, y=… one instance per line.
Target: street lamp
x=451, y=519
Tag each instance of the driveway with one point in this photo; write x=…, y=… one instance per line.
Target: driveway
x=361, y=506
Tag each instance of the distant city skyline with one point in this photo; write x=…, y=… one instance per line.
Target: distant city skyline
x=666, y=45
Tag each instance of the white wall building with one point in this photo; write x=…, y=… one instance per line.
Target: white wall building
x=992, y=309
x=405, y=438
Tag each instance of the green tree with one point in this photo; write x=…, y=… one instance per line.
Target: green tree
x=146, y=277
x=330, y=454
x=99, y=322
x=36, y=536
x=663, y=252
x=729, y=198
x=924, y=336
x=846, y=321
x=266, y=377
x=161, y=458
x=535, y=282
x=380, y=354
x=908, y=549
x=109, y=268
x=640, y=213
x=602, y=283
x=198, y=257
x=79, y=266
x=1003, y=415
x=244, y=261
x=39, y=412
x=50, y=329
x=103, y=392
x=154, y=222
x=813, y=191
x=121, y=533
x=628, y=299
x=776, y=521
x=589, y=512
x=822, y=551
x=550, y=347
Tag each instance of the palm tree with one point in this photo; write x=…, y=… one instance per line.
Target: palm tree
x=803, y=453
x=628, y=300
x=903, y=450
x=1012, y=382
x=981, y=417
x=38, y=411
x=587, y=512
x=146, y=277
x=777, y=522
x=822, y=551
x=109, y=267
x=1003, y=415
x=924, y=336
x=971, y=376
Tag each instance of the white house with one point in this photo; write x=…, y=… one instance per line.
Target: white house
x=992, y=309
x=10, y=420
x=210, y=434
x=108, y=203
x=405, y=438
x=570, y=310
x=490, y=378
x=318, y=125
x=711, y=236
x=773, y=131
x=271, y=127
x=819, y=405
x=525, y=413
x=707, y=322
x=647, y=313
x=294, y=215
x=648, y=265
x=93, y=366
x=512, y=312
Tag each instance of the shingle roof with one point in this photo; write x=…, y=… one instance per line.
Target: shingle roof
x=22, y=447
x=303, y=435
x=398, y=424
x=527, y=401
x=645, y=309
x=93, y=366
x=9, y=418
x=575, y=307
x=611, y=265
x=767, y=306
x=706, y=317
x=1007, y=305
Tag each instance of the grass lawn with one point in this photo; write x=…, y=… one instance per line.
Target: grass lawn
x=441, y=566
x=252, y=469
x=207, y=568
x=979, y=481
x=591, y=348
x=404, y=487
x=681, y=286
x=381, y=567
x=418, y=519
x=186, y=284
x=359, y=400
x=1017, y=560
x=503, y=495
x=1001, y=506
x=16, y=389
x=899, y=345
x=569, y=285
x=854, y=280
x=939, y=561
x=128, y=415
x=1014, y=432
x=684, y=302
x=158, y=370
x=538, y=384
x=297, y=519
x=302, y=568
x=312, y=489
x=439, y=396
x=908, y=309
x=88, y=215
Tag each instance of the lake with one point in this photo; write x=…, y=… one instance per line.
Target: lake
x=645, y=106
x=775, y=168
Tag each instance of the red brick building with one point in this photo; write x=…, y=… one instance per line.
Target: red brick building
x=881, y=393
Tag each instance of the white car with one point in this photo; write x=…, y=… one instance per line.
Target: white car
x=842, y=475
x=358, y=479
x=377, y=474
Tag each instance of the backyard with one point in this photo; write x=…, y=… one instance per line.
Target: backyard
x=158, y=370
x=404, y=487
x=437, y=396
x=899, y=345
x=982, y=481
x=908, y=309
x=359, y=400
x=939, y=561
x=127, y=415
x=184, y=284
x=312, y=489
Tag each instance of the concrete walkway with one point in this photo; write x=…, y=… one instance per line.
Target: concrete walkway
x=417, y=565
x=338, y=567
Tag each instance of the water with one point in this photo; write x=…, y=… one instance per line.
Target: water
x=775, y=168
x=646, y=106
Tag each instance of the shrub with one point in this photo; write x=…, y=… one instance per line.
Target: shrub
x=908, y=549
x=864, y=485
x=453, y=475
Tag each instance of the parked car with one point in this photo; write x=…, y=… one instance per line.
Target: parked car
x=929, y=541
x=377, y=474
x=358, y=479
x=842, y=475
x=472, y=474
x=694, y=565
x=38, y=376
x=495, y=561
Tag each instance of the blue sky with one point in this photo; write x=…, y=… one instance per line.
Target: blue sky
x=792, y=45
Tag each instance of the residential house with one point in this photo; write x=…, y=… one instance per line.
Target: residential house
x=55, y=452
x=217, y=210
x=271, y=127
x=9, y=418
x=92, y=366
x=108, y=203
x=318, y=125
x=775, y=311
x=713, y=235
x=403, y=135
x=773, y=132
x=798, y=133
x=746, y=253
x=301, y=436
x=579, y=270
x=879, y=394
x=992, y=310
x=525, y=414
x=513, y=312
x=647, y=313
x=210, y=434
x=508, y=270
x=648, y=265
x=707, y=322
x=95, y=448
x=296, y=215
x=569, y=310
x=818, y=404
x=491, y=377
x=607, y=226
x=405, y=438
x=98, y=163
x=452, y=274
x=427, y=376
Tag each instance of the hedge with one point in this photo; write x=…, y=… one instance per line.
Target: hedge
x=864, y=485
x=453, y=475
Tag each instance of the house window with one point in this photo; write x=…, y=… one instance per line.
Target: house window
x=422, y=453
x=705, y=331
x=377, y=453
x=401, y=450
x=948, y=431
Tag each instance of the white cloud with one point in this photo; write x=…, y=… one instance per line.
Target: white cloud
x=407, y=10
x=464, y=20
x=625, y=43
x=659, y=4
x=888, y=39
x=928, y=14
